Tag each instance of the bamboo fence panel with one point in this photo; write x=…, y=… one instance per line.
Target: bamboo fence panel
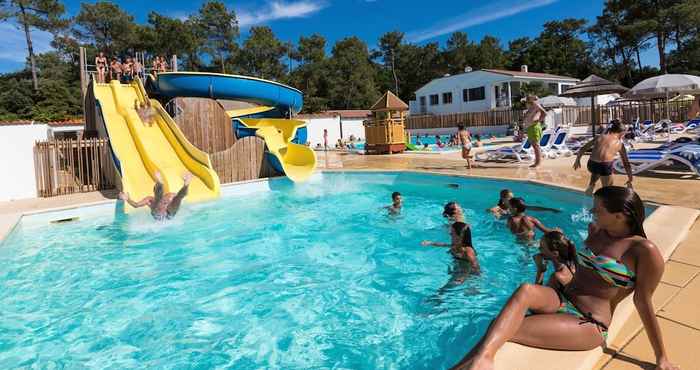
x=66, y=166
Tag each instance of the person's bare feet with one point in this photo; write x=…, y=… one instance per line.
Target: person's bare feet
x=187, y=178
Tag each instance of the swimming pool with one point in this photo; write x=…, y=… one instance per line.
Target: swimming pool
x=284, y=276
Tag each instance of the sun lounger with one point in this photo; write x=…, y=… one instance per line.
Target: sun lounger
x=559, y=146
x=519, y=152
x=646, y=159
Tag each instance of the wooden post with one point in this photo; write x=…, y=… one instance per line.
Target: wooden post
x=83, y=77
x=174, y=63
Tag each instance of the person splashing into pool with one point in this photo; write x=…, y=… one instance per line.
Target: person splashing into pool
x=396, y=203
x=163, y=205
x=522, y=225
x=453, y=212
x=556, y=248
x=503, y=206
x=605, y=148
x=462, y=250
x=618, y=261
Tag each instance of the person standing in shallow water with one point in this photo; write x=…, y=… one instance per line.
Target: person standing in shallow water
x=532, y=123
x=618, y=261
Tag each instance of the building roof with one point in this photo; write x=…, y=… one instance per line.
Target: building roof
x=389, y=102
x=530, y=74
x=26, y=122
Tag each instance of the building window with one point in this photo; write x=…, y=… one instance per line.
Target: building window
x=566, y=87
x=553, y=87
x=447, y=98
x=477, y=93
x=434, y=99
x=422, y=101
x=465, y=95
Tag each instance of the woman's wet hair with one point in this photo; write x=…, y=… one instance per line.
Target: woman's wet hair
x=619, y=199
x=557, y=241
x=464, y=232
x=616, y=127
x=450, y=209
x=502, y=195
x=395, y=194
x=518, y=204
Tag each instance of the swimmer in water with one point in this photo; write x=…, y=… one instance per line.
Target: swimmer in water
x=163, y=205
x=503, y=206
x=461, y=248
x=522, y=225
x=396, y=203
x=556, y=248
x=453, y=212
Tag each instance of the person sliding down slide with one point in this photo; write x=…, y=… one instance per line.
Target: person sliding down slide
x=163, y=205
x=618, y=260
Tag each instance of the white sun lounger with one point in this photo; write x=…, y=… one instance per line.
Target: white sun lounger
x=519, y=152
x=647, y=159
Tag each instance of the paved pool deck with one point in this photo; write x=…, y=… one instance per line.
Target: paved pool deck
x=675, y=229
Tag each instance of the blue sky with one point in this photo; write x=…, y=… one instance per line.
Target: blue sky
x=422, y=21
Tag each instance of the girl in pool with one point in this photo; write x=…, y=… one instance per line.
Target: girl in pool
x=618, y=261
x=453, y=212
x=503, y=206
x=522, y=225
x=461, y=247
x=556, y=248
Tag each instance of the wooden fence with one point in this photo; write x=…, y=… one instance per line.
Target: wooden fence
x=205, y=124
x=245, y=160
x=65, y=166
x=627, y=112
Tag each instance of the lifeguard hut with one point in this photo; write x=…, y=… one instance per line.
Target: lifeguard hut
x=385, y=130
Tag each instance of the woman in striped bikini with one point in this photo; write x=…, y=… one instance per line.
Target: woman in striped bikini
x=618, y=260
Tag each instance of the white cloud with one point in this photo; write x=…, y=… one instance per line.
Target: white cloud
x=476, y=17
x=14, y=48
x=279, y=10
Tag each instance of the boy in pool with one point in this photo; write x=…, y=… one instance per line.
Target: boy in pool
x=453, y=212
x=396, y=203
x=556, y=248
x=163, y=205
x=605, y=148
x=503, y=206
x=522, y=225
x=461, y=246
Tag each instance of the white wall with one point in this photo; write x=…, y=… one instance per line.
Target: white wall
x=353, y=126
x=315, y=126
x=455, y=84
x=17, y=160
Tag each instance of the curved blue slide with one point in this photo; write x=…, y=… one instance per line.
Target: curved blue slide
x=283, y=100
x=286, y=100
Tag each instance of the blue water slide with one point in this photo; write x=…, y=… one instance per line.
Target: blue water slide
x=285, y=99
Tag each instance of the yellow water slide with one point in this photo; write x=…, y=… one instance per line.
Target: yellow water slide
x=157, y=145
x=297, y=161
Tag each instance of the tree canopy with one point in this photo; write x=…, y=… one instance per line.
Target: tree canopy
x=345, y=73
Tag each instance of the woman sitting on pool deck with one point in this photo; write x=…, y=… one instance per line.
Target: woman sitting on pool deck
x=618, y=261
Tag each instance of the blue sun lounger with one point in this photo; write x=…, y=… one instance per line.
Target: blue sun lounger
x=647, y=159
x=518, y=152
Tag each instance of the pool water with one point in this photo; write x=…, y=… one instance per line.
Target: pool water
x=314, y=275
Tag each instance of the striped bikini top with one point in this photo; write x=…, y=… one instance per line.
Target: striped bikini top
x=609, y=269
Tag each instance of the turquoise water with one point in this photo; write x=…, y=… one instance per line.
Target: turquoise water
x=315, y=275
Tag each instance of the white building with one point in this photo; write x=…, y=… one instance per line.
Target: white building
x=340, y=124
x=481, y=90
x=17, y=140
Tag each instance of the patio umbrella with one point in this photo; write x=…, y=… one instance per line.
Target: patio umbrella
x=591, y=87
x=663, y=86
x=553, y=101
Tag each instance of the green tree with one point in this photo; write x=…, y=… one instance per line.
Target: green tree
x=106, y=26
x=460, y=53
x=390, y=46
x=350, y=72
x=39, y=14
x=310, y=49
x=310, y=74
x=217, y=27
x=518, y=53
x=261, y=53
x=171, y=36
x=490, y=54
